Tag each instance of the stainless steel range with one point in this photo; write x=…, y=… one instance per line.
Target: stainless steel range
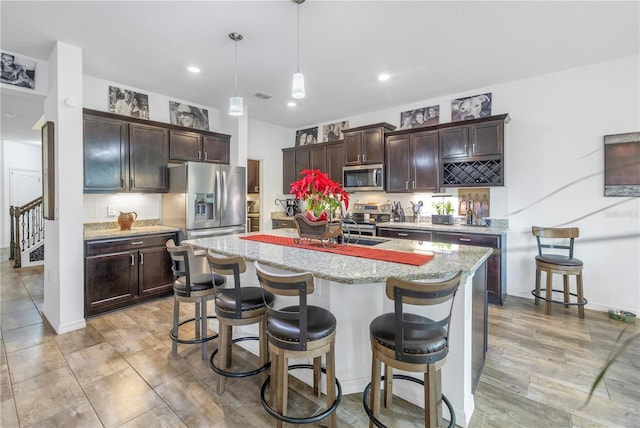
x=365, y=217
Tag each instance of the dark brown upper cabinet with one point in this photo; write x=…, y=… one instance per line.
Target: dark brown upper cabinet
x=412, y=162
x=365, y=144
x=468, y=141
x=195, y=146
x=120, y=156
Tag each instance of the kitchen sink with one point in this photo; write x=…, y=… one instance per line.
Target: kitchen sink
x=366, y=241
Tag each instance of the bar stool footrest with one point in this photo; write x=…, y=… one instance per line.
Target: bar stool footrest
x=562, y=302
x=377, y=422
x=225, y=373
x=193, y=341
x=310, y=419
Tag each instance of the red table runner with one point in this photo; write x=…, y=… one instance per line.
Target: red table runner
x=346, y=250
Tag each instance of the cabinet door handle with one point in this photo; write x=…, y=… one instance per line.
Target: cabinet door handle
x=406, y=185
x=141, y=258
x=122, y=182
x=473, y=147
x=199, y=154
x=364, y=157
x=465, y=148
x=465, y=239
x=413, y=184
x=137, y=242
x=205, y=156
x=358, y=158
x=133, y=261
x=402, y=234
x=131, y=183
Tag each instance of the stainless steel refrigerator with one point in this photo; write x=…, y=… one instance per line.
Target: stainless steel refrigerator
x=205, y=200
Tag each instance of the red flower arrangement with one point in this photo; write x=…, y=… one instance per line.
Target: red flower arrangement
x=322, y=194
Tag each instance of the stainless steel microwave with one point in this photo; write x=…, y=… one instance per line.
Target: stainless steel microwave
x=363, y=178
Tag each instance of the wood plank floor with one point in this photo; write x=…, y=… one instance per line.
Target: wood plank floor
x=119, y=372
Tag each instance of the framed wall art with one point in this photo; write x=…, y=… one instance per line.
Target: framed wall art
x=306, y=136
x=128, y=103
x=333, y=131
x=48, y=172
x=473, y=107
x=188, y=116
x=622, y=164
x=426, y=116
x=17, y=70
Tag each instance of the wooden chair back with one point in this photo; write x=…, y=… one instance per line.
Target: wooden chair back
x=555, y=238
x=420, y=293
x=229, y=265
x=294, y=284
x=180, y=255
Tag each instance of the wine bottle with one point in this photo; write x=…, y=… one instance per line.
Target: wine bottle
x=463, y=205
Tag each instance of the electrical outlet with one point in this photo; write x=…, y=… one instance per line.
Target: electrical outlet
x=111, y=210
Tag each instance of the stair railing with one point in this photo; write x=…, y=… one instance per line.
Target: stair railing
x=27, y=229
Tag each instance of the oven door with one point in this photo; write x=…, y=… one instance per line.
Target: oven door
x=356, y=229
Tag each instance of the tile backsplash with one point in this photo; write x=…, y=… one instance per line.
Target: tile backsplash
x=96, y=206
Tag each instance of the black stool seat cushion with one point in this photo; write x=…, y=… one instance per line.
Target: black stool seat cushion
x=559, y=260
x=199, y=282
x=251, y=298
x=320, y=323
x=382, y=330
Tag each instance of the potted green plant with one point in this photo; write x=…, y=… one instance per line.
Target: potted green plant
x=445, y=213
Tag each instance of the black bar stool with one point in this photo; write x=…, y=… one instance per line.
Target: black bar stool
x=414, y=343
x=235, y=307
x=550, y=243
x=188, y=287
x=299, y=331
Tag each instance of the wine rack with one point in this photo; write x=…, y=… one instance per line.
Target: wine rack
x=474, y=172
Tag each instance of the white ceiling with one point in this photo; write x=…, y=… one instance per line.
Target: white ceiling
x=430, y=48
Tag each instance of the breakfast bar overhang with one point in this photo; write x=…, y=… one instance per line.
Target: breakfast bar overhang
x=353, y=289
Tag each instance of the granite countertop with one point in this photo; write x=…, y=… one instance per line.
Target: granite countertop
x=92, y=234
x=485, y=230
x=280, y=215
x=448, y=258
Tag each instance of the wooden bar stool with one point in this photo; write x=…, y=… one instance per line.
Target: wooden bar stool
x=555, y=239
x=237, y=306
x=414, y=343
x=299, y=331
x=188, y=287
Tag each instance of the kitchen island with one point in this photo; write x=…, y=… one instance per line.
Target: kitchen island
x=353, y=290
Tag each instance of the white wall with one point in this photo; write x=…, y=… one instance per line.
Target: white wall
x=16, y=156
x=554, y=172
x=147, y=206
x=265, y=143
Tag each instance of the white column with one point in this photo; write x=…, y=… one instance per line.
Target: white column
x=64, y=255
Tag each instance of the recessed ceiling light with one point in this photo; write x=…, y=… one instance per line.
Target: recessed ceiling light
x=291, y=104
x=383, y=77
x=193, y=69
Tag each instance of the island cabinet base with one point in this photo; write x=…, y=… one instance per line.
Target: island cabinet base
x=356, y=305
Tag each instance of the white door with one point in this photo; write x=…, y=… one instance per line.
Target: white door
x=26, y=186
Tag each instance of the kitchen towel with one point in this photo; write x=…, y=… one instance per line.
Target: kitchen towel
x=346, y=250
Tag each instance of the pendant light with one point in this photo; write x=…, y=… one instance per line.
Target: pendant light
x=236, y=107
x=297, y=90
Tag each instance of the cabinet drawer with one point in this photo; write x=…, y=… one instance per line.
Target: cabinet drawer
x=133, y=243
x=282, y=224
x=468, y=239
x=416, y=235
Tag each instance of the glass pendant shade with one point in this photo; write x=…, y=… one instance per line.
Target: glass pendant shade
x=298, y=86
x=236, y=107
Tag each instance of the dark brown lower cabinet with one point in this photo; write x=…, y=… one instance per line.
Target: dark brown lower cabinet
x=125, y=271
x=496, y=263
x=282, y=224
